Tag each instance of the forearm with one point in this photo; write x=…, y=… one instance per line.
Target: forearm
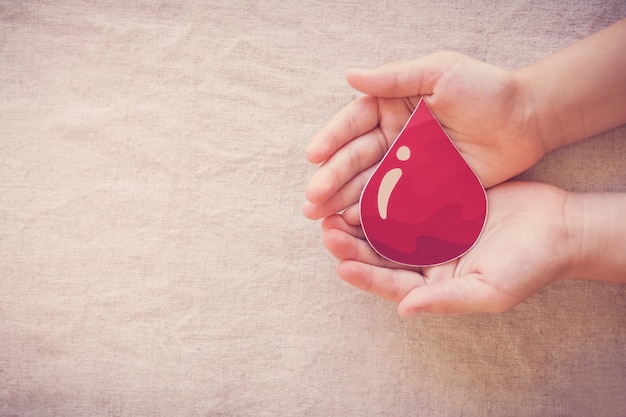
x=579, y=91
x=597, y=228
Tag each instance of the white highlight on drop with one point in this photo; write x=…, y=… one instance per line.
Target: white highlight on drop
x=389, y=182
x=384, y=191
x=403, y=153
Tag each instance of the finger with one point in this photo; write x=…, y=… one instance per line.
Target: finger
x=347, y=196
x=345, y=246
x=392, y=284
x=352, y=121
x=404, y=79
x=352, y=216
x=346, y=242
x=353, y=158
x=456, y=296
x=337, y=222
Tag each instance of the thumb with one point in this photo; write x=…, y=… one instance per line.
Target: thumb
x=467, y=294
x=404, y=79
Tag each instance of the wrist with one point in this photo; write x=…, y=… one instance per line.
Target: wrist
x=597, y=236
x=542, y=122
x=574, y=217
x=579, y=91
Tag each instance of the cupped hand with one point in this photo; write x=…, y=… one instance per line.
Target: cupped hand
x=524, y=246
x=486, y=111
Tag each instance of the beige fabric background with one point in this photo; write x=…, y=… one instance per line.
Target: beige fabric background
x=153, y=257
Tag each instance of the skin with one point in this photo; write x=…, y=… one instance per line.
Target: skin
x=535, y=234
x=486, y=124
x=502, y=122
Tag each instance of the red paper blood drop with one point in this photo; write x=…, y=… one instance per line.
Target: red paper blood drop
x=423, y=205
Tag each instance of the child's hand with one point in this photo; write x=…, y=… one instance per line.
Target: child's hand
x=526, y=244
x=484, y=110
x=502, y=123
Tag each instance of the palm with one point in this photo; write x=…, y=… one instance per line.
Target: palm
x=521, y=249
x=480, y=107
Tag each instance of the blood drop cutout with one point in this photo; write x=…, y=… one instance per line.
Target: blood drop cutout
x=423, y=205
